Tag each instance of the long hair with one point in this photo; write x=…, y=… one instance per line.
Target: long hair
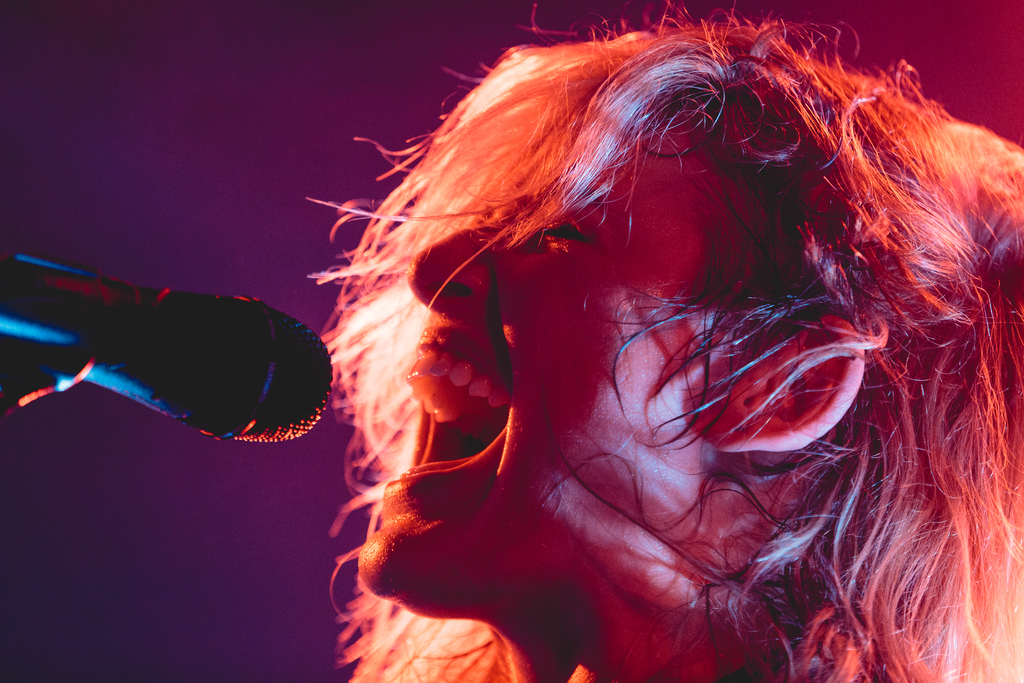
x=902, y=560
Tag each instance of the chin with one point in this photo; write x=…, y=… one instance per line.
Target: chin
x=418, y=572
x=388, y=568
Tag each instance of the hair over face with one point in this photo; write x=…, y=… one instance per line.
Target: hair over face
x=858, y=198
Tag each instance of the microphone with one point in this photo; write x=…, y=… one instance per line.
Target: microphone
x=232, y=367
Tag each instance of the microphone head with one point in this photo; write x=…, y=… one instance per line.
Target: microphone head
x=300, y=383
x=232, y=367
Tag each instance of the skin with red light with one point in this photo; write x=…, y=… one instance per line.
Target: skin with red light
x=537, y=535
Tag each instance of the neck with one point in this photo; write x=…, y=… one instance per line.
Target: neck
x=565, y=647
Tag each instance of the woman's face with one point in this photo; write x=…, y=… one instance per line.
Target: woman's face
x=541, y=524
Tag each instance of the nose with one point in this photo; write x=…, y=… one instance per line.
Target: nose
x=453, y=273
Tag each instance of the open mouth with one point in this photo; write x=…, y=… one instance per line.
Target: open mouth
x=465, y=410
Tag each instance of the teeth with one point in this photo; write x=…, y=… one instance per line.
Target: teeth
x=498, y=397
x=461, y=374
x=480, y=386
x=443, y=365
x=433, y=363
x=421, y=368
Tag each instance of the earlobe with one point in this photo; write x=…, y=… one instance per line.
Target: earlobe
x=795, y=396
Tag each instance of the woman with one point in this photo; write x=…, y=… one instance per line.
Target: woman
x=689, y=353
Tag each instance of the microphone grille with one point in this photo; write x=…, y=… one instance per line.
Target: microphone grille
x=299, y=386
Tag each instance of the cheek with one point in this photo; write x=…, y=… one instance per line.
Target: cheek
x=596, y=455
x=563, y=341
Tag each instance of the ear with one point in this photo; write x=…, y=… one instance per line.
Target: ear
x=768, y=411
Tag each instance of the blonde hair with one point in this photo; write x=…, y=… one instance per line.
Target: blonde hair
x=903, y=560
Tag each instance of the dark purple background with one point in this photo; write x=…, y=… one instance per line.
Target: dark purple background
x=173, y=146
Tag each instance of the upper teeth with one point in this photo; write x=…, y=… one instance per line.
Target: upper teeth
x=436, y=363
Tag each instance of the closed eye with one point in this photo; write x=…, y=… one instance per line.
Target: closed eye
x=565, y=231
